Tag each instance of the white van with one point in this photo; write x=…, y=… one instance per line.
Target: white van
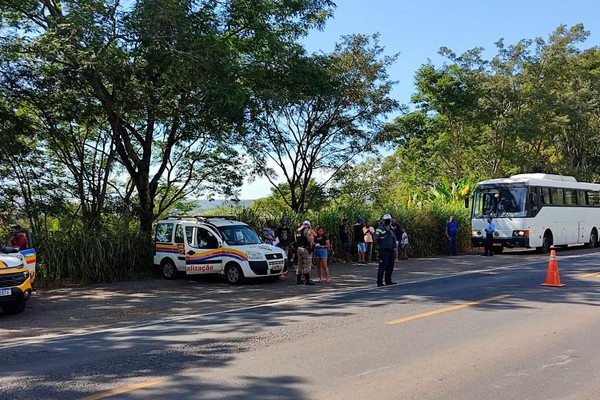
x=215, y=245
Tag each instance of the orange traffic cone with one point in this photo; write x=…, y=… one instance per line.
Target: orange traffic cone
x=552, y=277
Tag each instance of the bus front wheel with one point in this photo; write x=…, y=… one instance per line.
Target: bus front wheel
x=546, y=243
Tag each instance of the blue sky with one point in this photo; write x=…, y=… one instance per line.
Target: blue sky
x=417, y=29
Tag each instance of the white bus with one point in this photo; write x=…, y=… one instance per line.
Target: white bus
x=536, y=211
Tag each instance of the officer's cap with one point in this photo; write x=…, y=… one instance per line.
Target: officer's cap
x=386, y=216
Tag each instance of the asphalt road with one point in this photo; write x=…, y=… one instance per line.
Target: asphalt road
x=453, y=328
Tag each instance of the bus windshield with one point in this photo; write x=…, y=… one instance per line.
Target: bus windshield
x=500, y=202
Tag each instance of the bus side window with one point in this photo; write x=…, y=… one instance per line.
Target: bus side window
x=557, y=196
x=593, y=198
x=546, y=196
x=535, y=200
x=570, y=197
x=581, y=198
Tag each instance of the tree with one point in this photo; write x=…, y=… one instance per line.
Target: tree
x=171, y=80
x=327, y=116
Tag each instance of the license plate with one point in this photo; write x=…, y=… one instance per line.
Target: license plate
x=5, y=292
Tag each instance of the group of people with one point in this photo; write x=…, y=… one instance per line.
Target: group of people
x=312, y=247
x=364, y=235
x=386, y=240
x=309, y=248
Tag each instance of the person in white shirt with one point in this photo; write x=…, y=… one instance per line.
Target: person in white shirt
x=404, y=244
x=368, y=232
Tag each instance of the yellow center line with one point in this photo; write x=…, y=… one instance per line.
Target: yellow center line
x=122, y=390
x=446, y=309
x=590, y=274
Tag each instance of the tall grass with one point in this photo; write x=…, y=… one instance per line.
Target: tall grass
x=424, y=225
x=80, y=256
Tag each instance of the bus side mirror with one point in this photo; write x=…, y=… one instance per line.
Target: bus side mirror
x=466, y=201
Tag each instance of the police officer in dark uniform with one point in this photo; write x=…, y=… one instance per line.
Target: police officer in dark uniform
x=386, y=240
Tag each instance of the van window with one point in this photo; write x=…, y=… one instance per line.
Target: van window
x=179, y=234
x=164, y=232
x=206, y=240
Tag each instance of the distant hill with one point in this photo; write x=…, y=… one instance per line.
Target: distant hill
x=207, y=205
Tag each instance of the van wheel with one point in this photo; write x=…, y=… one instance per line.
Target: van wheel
x=168, y=269
x=234, y=274
x=593, y=239
x=16, y=308
x=498, y=250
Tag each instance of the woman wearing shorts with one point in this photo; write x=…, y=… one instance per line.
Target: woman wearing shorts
x=320, y=254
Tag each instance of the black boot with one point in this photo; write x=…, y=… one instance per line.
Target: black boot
x=307, y=279
x=298, y=279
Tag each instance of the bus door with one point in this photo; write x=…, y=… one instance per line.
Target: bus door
x=202, y=251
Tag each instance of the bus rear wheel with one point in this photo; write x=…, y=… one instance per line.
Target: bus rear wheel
x=593, y=239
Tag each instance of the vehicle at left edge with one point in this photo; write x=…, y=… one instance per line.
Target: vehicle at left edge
x=17, y=274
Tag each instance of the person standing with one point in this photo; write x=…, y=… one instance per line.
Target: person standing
x=321, y=248
x=489, y=238
x=397, y=229
x=282, y=235
x=344, y=232
x=305, y=242
x=404, y=244
x=385, y=239
x=452, y=236
x=368, y=232
x=359, y=238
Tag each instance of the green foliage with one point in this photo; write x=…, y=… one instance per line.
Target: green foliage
x=531, y=108
x=326, y=117
x=84, y=256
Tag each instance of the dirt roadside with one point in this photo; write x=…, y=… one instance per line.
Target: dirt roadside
x=56, y=311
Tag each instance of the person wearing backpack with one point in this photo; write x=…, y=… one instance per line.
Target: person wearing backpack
x=305, y=242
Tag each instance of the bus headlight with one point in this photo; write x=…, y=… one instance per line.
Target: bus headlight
x=521, y=233
x=475, y=233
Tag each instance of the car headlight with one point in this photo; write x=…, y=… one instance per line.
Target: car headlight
x=25, y=274
x=254, y=255
x=475, y=233
x=521, y=233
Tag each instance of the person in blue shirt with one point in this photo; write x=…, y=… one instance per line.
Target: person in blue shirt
x=268, y=233
x=452, y=235
x=386, y=240
x=489, y=238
